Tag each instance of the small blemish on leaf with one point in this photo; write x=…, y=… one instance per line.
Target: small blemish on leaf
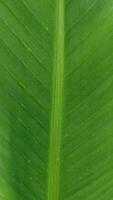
x=29, y=49
x=46, y=28
x=29, y=161
x=31, y=178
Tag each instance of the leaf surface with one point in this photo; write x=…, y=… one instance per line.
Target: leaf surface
x=56, y=100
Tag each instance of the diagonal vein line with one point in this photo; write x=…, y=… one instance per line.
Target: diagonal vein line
x=57, y=104
x=22, y=106
x=21, y=85
x=29, y=32
x=82, y=17
x=20, y=122
x=31, y=12
x=24, y=64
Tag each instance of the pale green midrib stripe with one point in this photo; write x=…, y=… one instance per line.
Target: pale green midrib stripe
x=57, y=101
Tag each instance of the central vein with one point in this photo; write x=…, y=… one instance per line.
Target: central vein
x=57, y=104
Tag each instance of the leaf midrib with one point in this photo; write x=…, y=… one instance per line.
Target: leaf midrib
x=57, y=104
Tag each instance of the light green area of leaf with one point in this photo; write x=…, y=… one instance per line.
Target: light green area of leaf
x=56, y=99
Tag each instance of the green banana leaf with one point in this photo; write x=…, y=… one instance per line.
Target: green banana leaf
x=56, y=99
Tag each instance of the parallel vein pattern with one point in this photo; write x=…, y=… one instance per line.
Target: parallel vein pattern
x=87, y=142
x=26, y=49
x=56, y=99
